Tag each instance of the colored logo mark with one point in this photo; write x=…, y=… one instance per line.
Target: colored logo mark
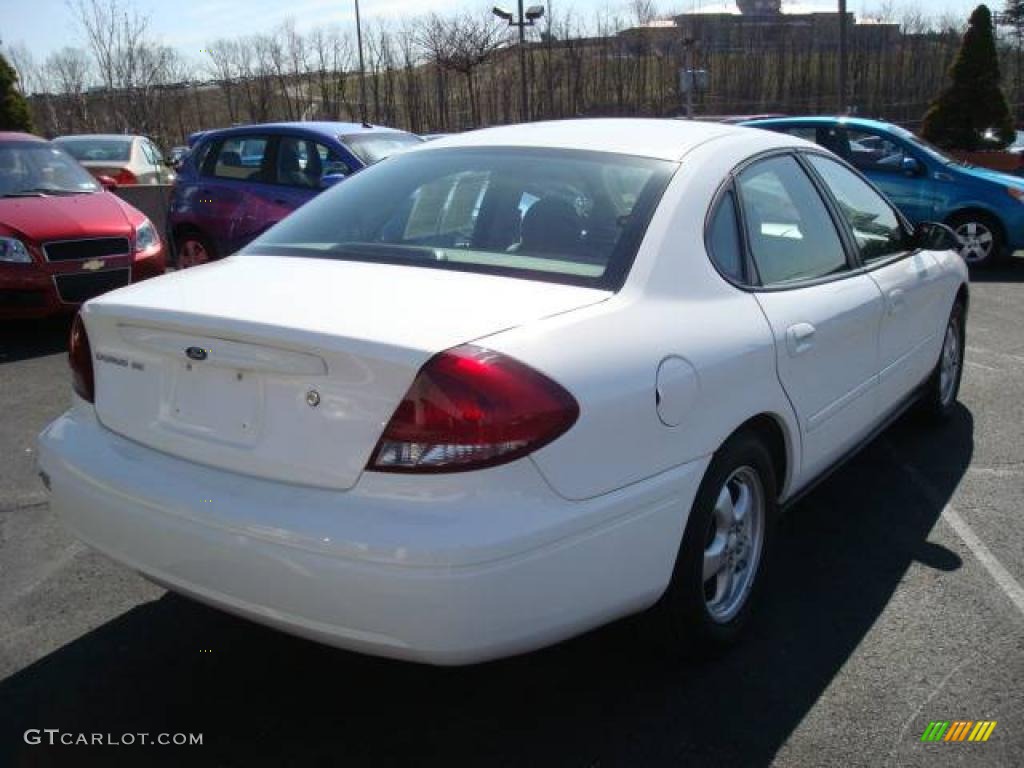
x=958, y=730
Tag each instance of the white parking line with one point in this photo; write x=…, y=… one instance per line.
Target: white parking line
x=995, y=353
x=1010, y=586
x=979, y=365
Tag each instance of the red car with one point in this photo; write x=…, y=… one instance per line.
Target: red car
x=63, y=238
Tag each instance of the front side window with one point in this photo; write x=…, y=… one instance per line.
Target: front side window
x=555, y=215
x=875, y=225
x=875, y=152
x=240, y=157
x=371, y=148
x=303, y=162
x=791, y=234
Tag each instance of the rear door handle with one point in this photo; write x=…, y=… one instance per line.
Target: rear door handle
x=799, y=338
x=897, y=300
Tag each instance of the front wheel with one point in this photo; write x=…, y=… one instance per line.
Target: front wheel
x=723, y=556
x=192, y=250
x=981, y=238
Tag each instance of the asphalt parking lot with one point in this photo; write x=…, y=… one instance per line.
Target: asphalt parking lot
x=895, y=600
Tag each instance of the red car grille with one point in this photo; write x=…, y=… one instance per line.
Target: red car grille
x=89, y=248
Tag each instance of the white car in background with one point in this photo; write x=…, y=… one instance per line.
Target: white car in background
x=508, y=386
x=125, y=160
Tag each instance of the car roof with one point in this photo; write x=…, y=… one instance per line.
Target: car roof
x=17, y=136
x=104, y=136
x=319, y=128
x=664, y=139
x=856, y=122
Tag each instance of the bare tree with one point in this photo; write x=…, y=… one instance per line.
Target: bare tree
x=129, y=63
x=223, y=66
x=462, y=44
x=69, y=71
x=31, y=78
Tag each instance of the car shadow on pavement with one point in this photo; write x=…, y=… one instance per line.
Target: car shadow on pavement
x=264, y=698
x=25, y=339
x=1009, y=270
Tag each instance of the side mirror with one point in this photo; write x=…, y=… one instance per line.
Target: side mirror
x=910, y=166
x=933, y=236
x=107, y=183
x=330, y=179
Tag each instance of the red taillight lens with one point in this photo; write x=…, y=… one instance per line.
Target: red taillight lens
x=470, y=408
x=80, y=358
x=125, y=176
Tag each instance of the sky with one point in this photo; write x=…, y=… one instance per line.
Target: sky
x=47, y=25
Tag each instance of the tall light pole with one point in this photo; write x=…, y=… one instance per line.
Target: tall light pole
x=842, y=57
x=362, y=67
x=524, y=20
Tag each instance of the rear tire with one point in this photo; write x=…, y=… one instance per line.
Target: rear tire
x=192, y=248
x=723, y=558
x=943, y=385
x=983, y=242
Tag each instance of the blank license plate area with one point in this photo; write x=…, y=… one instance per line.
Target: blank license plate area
x=218, y=404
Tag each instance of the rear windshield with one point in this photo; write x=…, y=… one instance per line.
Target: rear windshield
x=553, y=215
x=99, y=150
x=373, y=147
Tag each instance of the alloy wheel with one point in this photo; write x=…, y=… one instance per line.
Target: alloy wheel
x=735, y=540
x=192, y=253
x=976, y=241
x=949, y=364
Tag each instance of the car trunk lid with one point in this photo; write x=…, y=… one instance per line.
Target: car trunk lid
x=289, y=368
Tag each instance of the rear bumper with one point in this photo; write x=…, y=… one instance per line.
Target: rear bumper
x=443, y=569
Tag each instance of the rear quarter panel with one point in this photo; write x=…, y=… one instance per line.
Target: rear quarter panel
x=673, y=304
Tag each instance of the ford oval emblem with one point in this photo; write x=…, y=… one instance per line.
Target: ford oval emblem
x=196, y=353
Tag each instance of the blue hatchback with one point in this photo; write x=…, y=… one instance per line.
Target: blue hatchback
x=985, y=208
x=237, y=182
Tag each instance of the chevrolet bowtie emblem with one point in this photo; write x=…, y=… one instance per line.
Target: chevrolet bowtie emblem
x=93, y=264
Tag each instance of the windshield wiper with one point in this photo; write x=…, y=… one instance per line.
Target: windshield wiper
x=44, y=191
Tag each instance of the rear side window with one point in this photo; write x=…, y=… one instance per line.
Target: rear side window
x=791, y=234
x=831, y=137
x=723, y=242
x=875, y=225
x=240, y=158
x=151, y=153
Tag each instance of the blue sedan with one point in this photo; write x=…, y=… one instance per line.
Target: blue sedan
x=986, y=208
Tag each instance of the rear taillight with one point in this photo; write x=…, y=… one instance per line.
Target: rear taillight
x=125, y=177
x=80, y=358
x=470, y=408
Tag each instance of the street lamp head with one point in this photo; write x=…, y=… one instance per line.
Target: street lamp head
x=501, y=13
x=534, y=12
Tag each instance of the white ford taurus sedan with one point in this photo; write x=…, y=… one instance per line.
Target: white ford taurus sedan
x=508, y=386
